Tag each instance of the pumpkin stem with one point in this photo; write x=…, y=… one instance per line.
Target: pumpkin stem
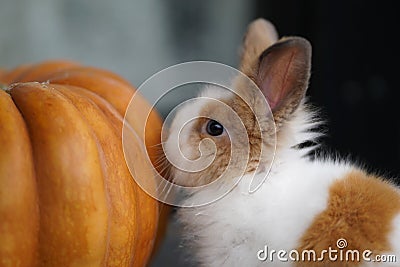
x=5, y=87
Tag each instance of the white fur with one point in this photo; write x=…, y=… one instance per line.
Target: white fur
x=230, y=231
x=395, y=243
x=215, y=92
x=179, y=131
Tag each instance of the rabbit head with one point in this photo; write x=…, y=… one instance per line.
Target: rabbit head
x=227, y=133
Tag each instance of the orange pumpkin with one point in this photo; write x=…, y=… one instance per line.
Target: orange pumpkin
x=67, y=197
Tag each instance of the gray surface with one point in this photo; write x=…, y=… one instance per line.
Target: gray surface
x=130, y=37
x=172, y=253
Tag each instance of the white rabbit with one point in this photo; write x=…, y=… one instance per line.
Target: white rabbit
x=304, y=206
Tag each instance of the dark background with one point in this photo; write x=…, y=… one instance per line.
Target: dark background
x=354, y=73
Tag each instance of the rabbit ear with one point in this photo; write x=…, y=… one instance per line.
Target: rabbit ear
x=259, y=36
x=282, y=75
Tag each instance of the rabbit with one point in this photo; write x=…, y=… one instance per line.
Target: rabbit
x=307, y=212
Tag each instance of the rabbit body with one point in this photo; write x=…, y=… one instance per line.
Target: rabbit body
x=232, y=230
x=303, y=205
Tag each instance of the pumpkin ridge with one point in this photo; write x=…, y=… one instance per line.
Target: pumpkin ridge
x=118, y=183
x=149, y=208
x=19, y=217
x=73, y=222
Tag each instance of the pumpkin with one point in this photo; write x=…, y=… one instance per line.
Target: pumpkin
x=67, y=197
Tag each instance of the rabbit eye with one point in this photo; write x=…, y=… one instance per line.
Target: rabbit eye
x=214, y=128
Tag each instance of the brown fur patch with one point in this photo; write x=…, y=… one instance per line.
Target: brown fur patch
x=250, y=119
x=360, y=209
x=252, y=137
x=259, y=36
